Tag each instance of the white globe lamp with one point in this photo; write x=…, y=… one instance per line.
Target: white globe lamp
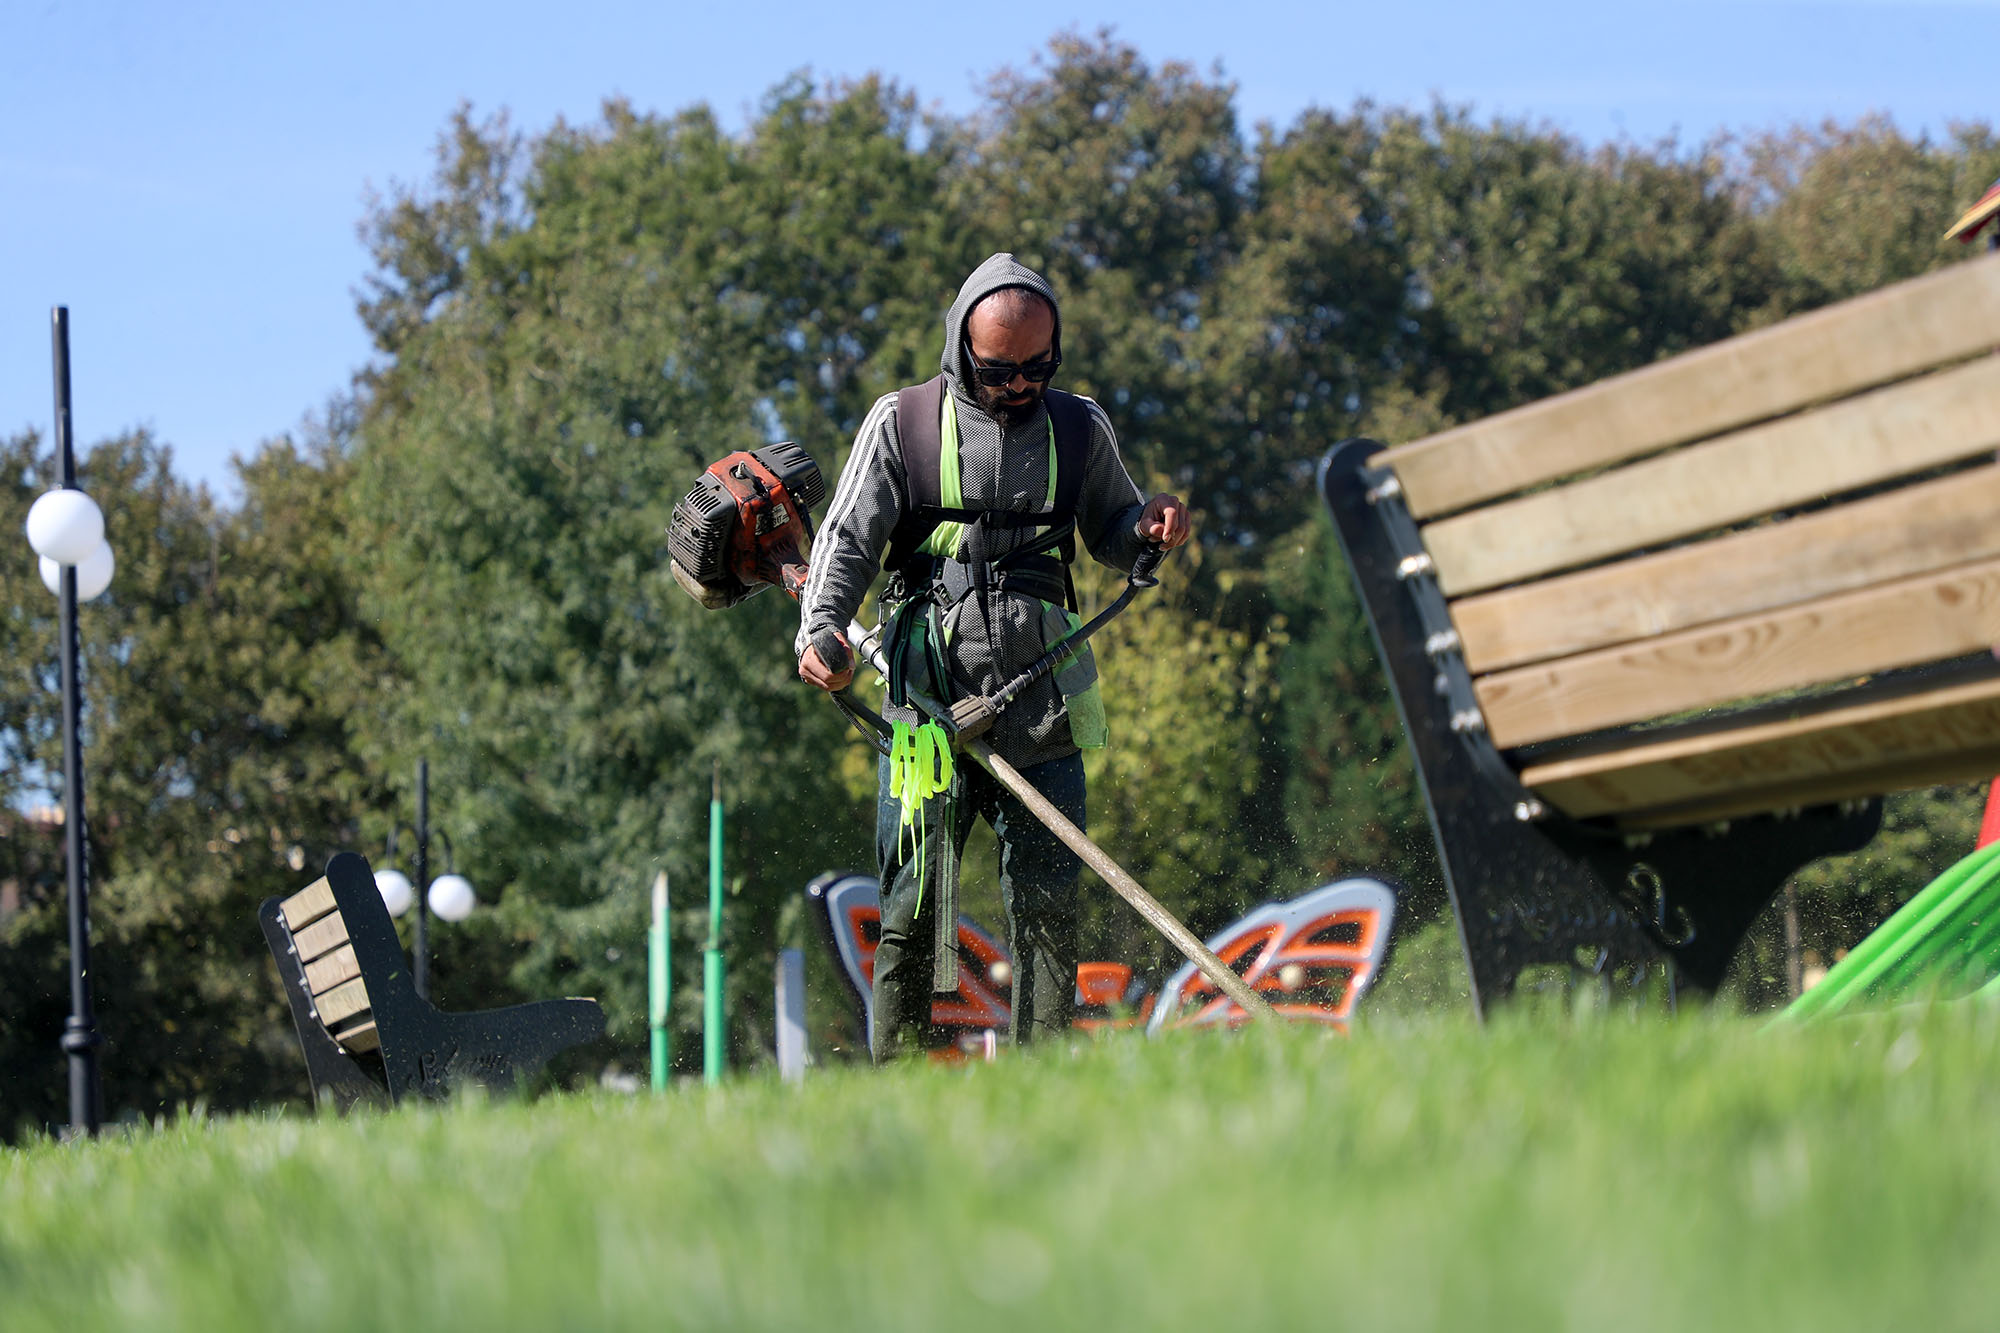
x=93, y=576
x=397, y=894
x=452, y=897
x=93, y=573
x=65, y=526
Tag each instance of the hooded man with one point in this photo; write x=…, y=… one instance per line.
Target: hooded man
x=976, y=486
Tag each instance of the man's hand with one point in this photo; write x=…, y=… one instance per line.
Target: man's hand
x=1165, y=521
x=813, y=668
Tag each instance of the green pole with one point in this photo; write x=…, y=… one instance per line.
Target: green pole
x=660, y=984
x=711, y=957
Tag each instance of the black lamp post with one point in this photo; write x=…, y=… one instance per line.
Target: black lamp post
x=66, y=529
x=422, y=943
x=450, y=895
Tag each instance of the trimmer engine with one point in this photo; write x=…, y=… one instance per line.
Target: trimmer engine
x=746, y=525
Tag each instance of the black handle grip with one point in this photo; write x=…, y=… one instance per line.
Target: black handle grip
x=1148, y=561
x=833, y=653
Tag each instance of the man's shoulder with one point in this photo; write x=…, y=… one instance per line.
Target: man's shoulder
x=1093, y=412
x=1082, y=400
x=882, y=415
x=877, y=440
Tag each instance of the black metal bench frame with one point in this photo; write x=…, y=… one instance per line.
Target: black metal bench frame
x=1530, y=887
x=411, y=1046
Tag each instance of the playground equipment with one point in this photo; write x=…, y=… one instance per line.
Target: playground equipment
x=1944, y=943
x=660, y=984
x=1315, y=957
x=714, y=1012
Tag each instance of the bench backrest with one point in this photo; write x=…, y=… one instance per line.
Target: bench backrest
x=1786, y=512
x=332, y=972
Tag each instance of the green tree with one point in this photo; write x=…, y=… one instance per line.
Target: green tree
x=1311, y=326
x=854, y=254
x=1538, y=267
x=1849, y=208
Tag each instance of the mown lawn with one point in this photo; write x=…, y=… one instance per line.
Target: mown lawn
x=1610, y=1173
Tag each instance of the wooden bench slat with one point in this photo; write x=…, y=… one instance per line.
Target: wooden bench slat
x=1930, y=618
x=1939, y=418
x=1930, y=526
x=308, y=905
x=323, y=974
x=1952, y=732
x=1904, y=775
x=1887, y=335
x=359, y=1037
x=321, y=937
x=343, y=1001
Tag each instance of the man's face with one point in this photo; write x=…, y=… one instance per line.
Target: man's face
x=1029, y=335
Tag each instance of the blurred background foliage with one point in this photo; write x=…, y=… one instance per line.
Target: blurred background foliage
x=464, y=558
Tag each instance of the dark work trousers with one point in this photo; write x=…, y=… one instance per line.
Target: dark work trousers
x=1037, y=891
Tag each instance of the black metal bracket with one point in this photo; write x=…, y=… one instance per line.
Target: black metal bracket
x=1530, y=887
x=424, y=1050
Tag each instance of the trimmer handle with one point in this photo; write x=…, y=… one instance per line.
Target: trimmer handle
x=1143, y=569
x=833, y=654
x=792, y=578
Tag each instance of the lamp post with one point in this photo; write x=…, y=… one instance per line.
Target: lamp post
x=66, y=529
x=450, y=895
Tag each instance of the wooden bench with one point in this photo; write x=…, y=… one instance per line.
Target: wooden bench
x=1660, y=641
x=366, y=1033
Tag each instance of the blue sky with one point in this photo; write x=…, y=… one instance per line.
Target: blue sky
x=188, y=177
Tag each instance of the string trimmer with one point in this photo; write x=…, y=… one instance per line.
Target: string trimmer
x=747, y=525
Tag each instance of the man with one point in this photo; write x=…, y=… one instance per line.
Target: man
x=1008, y=468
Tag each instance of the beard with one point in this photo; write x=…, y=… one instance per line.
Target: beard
x=994, y=403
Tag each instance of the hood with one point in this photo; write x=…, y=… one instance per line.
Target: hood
x=998, y=271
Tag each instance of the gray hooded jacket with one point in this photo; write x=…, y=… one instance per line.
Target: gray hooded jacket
x=998, y=469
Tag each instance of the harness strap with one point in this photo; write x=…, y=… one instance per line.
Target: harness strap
x=921, y=430
x=917, y=409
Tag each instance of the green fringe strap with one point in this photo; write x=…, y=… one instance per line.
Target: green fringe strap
x=921, y=767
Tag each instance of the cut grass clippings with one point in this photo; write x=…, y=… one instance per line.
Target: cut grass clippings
x=1606, y=1173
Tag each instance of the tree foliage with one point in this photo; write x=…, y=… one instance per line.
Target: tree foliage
x=1846, y=209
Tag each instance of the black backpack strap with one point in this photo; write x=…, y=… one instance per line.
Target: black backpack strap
x=1070, y=415
x=917, y=409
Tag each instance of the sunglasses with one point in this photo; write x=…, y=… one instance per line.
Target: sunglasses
x=998, y=374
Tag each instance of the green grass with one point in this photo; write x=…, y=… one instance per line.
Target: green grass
x=1606, y=1173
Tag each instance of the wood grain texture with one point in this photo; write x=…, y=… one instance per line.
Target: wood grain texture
x=359, y=1037
x=343, y=1001
x=321, y=937
x=323, y=974
x=1886, y=335
x=1945, y=735
x=308, y=905
x=1904, y=775
x=1905, y=623
x=1915, y=530
x=1940, y=418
